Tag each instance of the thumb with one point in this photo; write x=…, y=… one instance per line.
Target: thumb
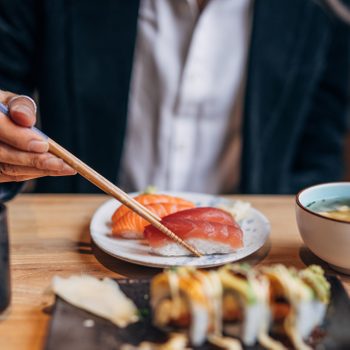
x=22, y=110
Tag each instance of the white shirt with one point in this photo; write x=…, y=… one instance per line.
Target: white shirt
x=185, y=102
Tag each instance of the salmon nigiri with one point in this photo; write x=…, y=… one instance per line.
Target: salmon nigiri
x=146, y=199
x=208, y=230
x=131, y=225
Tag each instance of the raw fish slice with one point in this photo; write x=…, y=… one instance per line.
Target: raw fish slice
x=206, y=237
x=146, y=199
x=131, y=225
x=205, y=214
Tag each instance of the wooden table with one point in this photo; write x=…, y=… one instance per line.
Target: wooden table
x=50, y=236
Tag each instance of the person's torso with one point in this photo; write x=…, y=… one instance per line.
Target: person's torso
x=84, y=70
x=185, y=104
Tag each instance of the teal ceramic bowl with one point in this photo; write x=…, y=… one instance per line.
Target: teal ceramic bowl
x=328, y=238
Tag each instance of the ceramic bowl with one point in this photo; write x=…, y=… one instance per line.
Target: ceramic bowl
x=328, y=238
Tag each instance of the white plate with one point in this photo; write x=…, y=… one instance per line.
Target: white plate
x=255, y=226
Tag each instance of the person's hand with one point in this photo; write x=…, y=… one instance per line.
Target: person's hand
x=23, y=153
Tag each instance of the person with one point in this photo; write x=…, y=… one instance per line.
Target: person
x=212, y=96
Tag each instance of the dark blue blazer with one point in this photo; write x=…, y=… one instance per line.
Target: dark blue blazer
x=78, y=54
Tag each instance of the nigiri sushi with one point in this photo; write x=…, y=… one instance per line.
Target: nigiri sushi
x=147, y=199
x=205, y=214
x=131, y=225
x=209, y=230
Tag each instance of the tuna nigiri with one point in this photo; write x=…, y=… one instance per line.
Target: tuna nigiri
x=205, y=214
x=131, y=225
x=146, y=199
x=209, y=230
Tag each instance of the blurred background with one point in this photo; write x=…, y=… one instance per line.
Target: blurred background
x=347, y=157
x=215, y=96
x=341, y=10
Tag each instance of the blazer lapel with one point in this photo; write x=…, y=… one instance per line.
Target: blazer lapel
x=101, y=40
x=277, y=56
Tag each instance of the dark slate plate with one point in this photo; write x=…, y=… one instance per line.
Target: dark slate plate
x=67, y=330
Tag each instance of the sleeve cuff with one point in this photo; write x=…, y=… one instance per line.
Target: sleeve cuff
x=9, y=190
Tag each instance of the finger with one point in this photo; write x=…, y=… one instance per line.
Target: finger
x=19, y=170
x=22, y=110
x=44, y=161
x=21, y=138
x=5, y=96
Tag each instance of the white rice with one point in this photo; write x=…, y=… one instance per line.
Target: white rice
x=204, y=246
x=131, y=235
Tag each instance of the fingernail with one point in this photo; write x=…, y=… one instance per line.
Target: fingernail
x=68, y=170
x=22, y=109
x=54, y=164
x=38, y=146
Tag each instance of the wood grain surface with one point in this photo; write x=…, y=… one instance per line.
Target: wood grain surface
x=49, y=235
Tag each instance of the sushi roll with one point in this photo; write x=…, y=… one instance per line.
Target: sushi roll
x=240, y=302
x=314, y=277
x=209, y=230
x=189, y=299
x=298, y=301
x=246, y=312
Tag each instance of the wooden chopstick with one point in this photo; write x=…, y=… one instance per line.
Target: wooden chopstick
x=111, y=189
x=106, y=186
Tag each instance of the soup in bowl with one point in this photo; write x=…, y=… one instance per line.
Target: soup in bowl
x=323, y=218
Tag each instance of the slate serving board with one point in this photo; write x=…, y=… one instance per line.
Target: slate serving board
x=69, y=326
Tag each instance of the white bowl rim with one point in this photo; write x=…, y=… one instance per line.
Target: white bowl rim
x=298, y=202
